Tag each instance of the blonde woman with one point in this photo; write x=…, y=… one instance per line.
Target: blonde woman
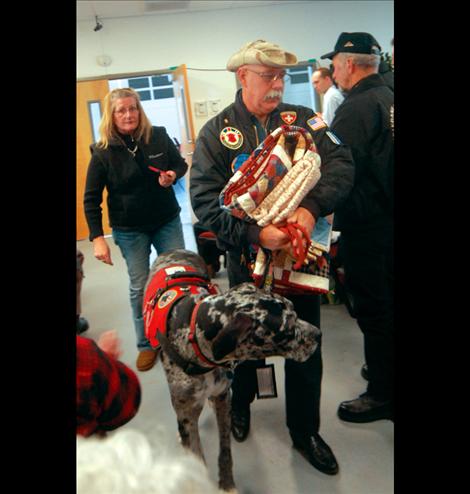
x=137, y=163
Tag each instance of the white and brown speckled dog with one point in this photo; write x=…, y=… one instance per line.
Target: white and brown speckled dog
x=207, y=334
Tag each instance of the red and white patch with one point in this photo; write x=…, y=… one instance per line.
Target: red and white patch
x=289, y=117
x=231, y=137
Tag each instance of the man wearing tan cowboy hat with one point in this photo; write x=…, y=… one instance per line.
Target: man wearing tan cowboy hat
x=365, y=122
x=223, y=144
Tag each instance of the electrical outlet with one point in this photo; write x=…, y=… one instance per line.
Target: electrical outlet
x=200, y=108
x=214, y=106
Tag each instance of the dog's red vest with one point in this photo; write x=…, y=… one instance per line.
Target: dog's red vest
x=166, y=287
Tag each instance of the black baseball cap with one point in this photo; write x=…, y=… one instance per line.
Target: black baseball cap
x=355, y=43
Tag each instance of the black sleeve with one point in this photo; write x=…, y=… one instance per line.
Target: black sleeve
x=210, y=171
x=177, y=162
x=94, y=187
x=351, y=128
x=366, y=127
x=337, y=175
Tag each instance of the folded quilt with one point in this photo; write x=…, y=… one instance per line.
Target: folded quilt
x=267, y=189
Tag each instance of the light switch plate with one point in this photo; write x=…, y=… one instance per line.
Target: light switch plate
x=214, y=106
x=200, y=108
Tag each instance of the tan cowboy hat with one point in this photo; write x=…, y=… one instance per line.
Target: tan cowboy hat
x=261, y=52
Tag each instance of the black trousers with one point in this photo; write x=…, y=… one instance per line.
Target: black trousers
x=302, y=379
x=368, y=268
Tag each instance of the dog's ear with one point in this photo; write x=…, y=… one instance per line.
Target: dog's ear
x=226, y=341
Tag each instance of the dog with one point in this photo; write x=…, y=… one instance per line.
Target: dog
x=203, y=334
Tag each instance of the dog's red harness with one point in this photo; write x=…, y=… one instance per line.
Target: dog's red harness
x=167, y=286
x=193, y=340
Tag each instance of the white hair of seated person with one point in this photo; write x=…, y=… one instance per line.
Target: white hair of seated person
x=125, y=462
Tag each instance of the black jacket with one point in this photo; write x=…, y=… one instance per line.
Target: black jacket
x=387, y=74
x=136, y=201
x=211, y=169
x=363, y=121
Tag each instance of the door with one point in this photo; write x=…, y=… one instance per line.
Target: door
x=90, y=96
x=183, y=104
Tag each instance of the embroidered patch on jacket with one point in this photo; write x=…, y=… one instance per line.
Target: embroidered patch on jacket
x=166, y=298
x=316, y=123
x=238, y=161
x=231, y=137
x=289, y=117
x=333, y=137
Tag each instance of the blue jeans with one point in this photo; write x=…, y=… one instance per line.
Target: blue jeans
x=135, y=248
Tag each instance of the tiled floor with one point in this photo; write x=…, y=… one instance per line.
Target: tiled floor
x=265, y=463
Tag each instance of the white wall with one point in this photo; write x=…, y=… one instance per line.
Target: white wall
x=207, y=39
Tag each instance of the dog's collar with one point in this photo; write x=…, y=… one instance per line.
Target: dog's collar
x=193, y=339
x=187, y=366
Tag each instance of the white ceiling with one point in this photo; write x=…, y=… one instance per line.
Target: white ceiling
x=108, y=9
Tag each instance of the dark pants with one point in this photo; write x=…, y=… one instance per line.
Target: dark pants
x=207, y=247
x=302, y=379
x=368, y=267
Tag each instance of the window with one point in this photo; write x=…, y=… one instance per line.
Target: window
x=153, y=87
x=139, y=82
x=299, y=90
x=94, y=112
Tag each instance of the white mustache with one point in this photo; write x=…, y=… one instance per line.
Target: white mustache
x=273, y=94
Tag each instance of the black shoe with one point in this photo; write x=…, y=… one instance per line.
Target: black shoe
x=82, y=325
x=365, y=372
x=316, y=451
x=365, y=409
x=240, y=423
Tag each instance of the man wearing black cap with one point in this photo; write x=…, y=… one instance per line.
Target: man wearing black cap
x=223, y=144
x=365, y=122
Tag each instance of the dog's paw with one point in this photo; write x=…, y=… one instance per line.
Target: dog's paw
x=233, y=490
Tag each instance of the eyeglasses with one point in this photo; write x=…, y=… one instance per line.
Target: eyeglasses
x=270, y=77
x=122, y=111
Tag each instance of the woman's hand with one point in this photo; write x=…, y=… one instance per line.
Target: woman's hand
x=165, y=179
x=101, y=250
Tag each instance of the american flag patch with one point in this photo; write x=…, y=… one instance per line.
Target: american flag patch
x=316, y=123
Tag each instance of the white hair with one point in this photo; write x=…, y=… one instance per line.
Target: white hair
x=361, y=59
x=127, y=463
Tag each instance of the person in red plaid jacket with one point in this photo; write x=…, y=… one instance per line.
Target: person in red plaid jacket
x=108, y=392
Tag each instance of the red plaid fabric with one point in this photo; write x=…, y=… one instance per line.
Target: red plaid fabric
x=108, y=392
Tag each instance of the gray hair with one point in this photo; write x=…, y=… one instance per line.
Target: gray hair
x=361, y=59
x=127, y=462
